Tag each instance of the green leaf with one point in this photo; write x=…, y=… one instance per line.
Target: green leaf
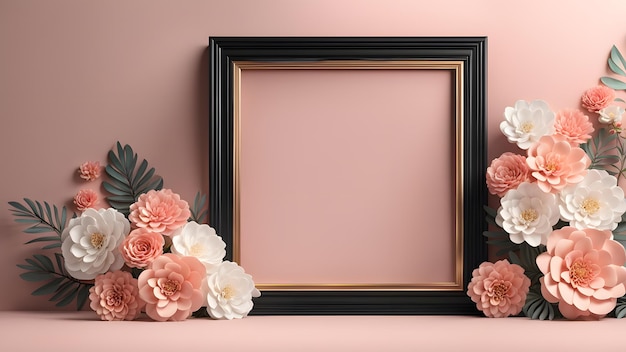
x=613, y=83
x=27, y=267
x=620, y=308
x=62, y=290
x=514, y=259
x=113, y=190
x=197, y=213
x=51, y=246
x=33, y=276
x=45, y=262
x=537, y=308
x=19, y=206
x=48, y=288
x=83, y=294
x=615, y=60
x=68, y=298
x=45, y=239
x=38, y=229
x=126, y=183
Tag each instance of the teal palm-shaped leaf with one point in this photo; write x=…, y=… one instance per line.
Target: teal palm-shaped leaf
x=198, y=210
x=603, y=151
x=537, y=308
x=41, y=218
x=56, y=281
x=127, y=180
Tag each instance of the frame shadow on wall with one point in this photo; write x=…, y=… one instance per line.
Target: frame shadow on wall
x=347, y=173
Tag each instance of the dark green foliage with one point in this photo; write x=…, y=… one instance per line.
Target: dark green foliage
x=198, y=210
x=56, y=281
x=42, y=219
x=127, y=181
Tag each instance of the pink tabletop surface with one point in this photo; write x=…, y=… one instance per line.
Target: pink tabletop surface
x=82, y=331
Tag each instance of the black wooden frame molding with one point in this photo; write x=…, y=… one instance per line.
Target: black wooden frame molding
x=223, y=51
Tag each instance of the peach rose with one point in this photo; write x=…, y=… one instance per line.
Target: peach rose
x=89, y=170
x=159, y=211
x=141, y=247
x=172, y=287
x=506, y=173
x=574, y=125
x=115, y=296
x=85, y=198
x=583, y=271
x=499, y=289
x=554, y=163
x=598, y=98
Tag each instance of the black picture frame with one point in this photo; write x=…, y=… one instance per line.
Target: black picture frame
x=471, y=51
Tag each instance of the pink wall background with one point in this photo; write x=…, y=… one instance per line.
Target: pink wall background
x=76, y=76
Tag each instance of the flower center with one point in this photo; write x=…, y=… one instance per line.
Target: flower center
x=552, y=164
x=170, y=287
x=97, y=240
x=498, y=290
x=590, y=206
x=228, y=292
x=581, y=273
x=196, y=250
x=114, y=297
x=527, y=127
x=529, y=215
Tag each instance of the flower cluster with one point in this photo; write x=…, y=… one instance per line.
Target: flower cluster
x=146, y=253
x=170, y=286
x=560, y=200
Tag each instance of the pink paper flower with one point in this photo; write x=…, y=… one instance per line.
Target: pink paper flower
x=114, y=296
x=574, y=125
x=159, y=211
x=173, y=287
x=89, y=170
x=598, y=98
x=583, y=271
x=555, y=163
x=85, y=198
x=506, y=173
x=141, y=247
x=499, y=289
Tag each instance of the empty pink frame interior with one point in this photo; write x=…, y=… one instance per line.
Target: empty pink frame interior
x=347, y=177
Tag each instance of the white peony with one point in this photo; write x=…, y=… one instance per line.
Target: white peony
x=230, y=292
x=597, y=202
x=611, y=114
x=200, y=241
x=525, y=123
x=528, y=214
x=90, y=243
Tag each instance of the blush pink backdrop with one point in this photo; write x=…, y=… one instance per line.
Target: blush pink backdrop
x=77, y=76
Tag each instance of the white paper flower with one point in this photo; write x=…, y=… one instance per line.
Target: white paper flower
x=230, y=292
x=528, y=214
x=594, y=203
x=525, y=123
x=90, y=243
x=200, y=241
x=611, y=114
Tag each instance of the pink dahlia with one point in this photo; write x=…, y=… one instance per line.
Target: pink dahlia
x=172, y=287
x=574, y=125
x=115, y=296
x=499, y=289
x=85, y=198
x=583, y=271
x=89, y=170
x=141, y=247
x=554, y=163
x=598, y=98
x=159, y=211
x=506, y=173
